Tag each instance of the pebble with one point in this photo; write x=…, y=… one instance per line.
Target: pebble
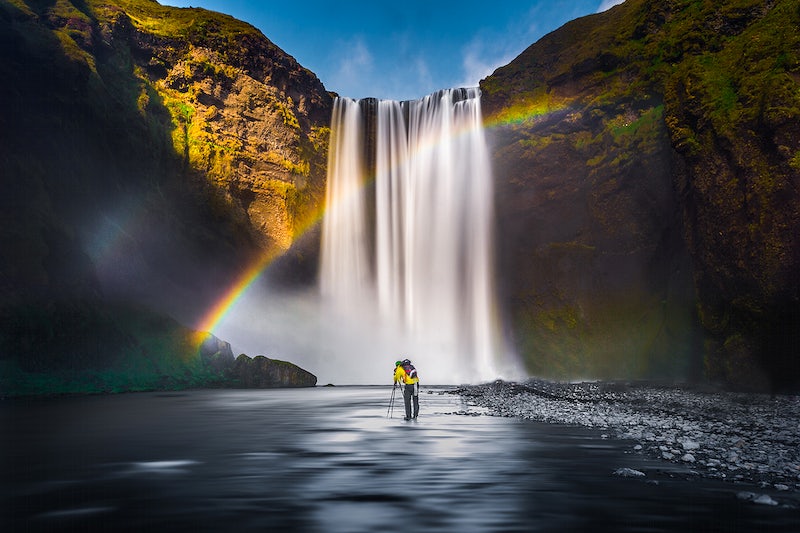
x=746, y=437
x=628, y=472
x=762, y=499
x=689, y=445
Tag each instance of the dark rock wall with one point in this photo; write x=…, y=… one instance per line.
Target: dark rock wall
x=591, y=250
x=733, y=115
x=647, y=169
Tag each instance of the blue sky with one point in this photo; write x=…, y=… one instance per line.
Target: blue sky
x=402, y=50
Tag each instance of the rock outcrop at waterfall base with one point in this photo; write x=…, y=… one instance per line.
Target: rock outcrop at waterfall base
x=148, y=156
x=152, y=353
x=648, y=169
x=261, y=372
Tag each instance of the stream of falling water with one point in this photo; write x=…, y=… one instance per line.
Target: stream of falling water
x=407, y=236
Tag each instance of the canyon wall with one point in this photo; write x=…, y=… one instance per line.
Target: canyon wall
x=648, y=163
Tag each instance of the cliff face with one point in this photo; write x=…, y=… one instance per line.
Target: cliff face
x=158, y=126
x=647, y=159
x=147, y=155
x=251, y=123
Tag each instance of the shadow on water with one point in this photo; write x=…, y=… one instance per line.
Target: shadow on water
x=329, y=459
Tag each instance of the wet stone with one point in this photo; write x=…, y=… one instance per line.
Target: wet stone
x=746, y=437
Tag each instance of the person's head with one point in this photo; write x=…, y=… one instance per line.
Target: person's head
x=397, y=363
x=406, y=362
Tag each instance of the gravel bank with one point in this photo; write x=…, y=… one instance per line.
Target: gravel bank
x=731, y=436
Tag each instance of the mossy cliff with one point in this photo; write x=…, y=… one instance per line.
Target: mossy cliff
x=647, y=163
x=147, y=155
x=181, y=99
x=648, y=192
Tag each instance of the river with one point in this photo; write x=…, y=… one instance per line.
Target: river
x=330, y=459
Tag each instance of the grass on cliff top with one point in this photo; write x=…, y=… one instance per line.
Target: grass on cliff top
x=164, y=21
x=71, y=21
x=738, y=45
x=168, y=21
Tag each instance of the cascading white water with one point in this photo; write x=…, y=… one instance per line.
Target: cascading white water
x=427, y=278
x=345, y=274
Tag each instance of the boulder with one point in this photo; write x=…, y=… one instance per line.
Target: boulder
x=264, y=373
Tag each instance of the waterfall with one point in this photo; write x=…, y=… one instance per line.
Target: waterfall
x=344, y=237
x=410, y=253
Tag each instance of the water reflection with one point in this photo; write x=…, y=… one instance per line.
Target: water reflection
x=328, y=459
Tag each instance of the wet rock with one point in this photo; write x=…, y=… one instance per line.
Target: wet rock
x=628, y=472
x=689, y=445
x=743, y=437
x=264, y=373
x=761, y=499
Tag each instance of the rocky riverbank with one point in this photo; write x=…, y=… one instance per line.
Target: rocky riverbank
x=751, y=438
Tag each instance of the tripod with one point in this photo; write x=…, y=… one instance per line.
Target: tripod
x=390, y=410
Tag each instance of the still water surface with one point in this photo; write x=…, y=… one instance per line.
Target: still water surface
x=329, y=459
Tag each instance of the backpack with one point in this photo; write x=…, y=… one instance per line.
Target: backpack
x=411, y=372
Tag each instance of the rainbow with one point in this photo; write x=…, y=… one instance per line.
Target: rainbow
x=243, y=281
x=218, y=311
x=524, y=110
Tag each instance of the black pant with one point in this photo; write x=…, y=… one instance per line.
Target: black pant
x=411, y=391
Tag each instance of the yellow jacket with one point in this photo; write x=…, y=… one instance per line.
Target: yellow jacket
x=400, y=376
